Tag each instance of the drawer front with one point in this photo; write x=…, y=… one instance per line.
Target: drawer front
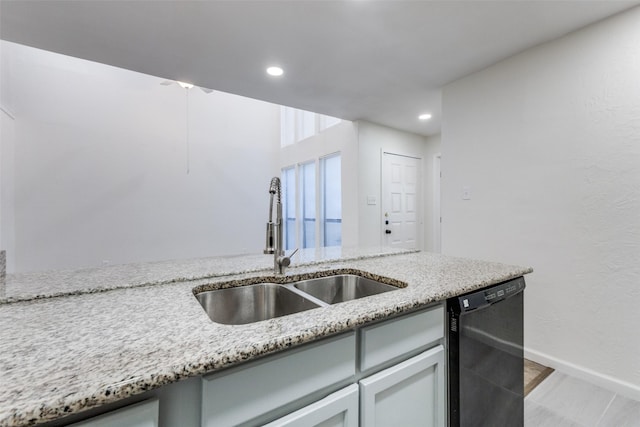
x=396, y=337
x=144, y=414
x=338, y=409
x=239, y=395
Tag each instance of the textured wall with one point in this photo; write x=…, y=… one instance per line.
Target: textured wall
x=548, y=143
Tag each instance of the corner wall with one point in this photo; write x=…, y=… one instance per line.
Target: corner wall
x=548, y=143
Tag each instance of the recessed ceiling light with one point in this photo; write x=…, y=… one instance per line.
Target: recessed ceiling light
x=275, y=71
x=185, y=85
x=425, y=116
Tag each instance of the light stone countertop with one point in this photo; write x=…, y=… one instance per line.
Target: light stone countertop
x=63, y=355
x=55, y=283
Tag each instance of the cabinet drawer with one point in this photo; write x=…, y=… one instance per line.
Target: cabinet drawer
x=394, y=338
x=144, y=414
x=338, y=409
x=241, y=394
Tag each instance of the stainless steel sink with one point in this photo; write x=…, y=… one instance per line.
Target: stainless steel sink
x=252, y=303
x=343, y=287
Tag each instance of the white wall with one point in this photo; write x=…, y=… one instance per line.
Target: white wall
x=7, y=220
x=341, y=138
x=7, y=149
x=549, y=143
x=432, y=148
x=373, y=140
x=101, y=165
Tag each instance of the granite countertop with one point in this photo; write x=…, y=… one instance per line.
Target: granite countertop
x=55, y=283
x=65, y=354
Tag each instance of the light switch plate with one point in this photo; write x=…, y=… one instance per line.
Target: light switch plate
x=372, y=200
x=466, y=193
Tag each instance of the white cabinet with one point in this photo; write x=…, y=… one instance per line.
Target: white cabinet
x=144, y=414
x=390, y=373
x=339, y=409
x=264, y=389
x=410, y=393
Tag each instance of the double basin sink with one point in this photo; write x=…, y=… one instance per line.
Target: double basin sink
x=250, y=303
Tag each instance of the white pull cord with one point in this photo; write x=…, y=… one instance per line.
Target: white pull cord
x=187, y=129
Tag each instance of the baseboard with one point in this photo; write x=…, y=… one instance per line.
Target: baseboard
x=632, y=391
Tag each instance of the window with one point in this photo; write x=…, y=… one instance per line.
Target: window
x=289, y=206
x=327, y=121
x=331, y=192
x=308, y=195
x=296, y=125
x=287, y=126
x=305, y=125
x=315, y=198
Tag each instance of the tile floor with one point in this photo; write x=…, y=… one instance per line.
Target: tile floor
x=564, y=401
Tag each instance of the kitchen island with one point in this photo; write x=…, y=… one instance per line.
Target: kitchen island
x=70, y=351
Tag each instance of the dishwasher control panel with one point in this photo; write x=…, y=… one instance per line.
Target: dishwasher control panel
x=490, y=295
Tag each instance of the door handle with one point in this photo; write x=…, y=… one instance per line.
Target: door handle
x=387, y=231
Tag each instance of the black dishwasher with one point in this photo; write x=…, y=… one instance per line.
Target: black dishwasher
x=486, y=363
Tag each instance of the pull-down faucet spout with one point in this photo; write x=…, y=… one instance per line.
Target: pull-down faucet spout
x=274, y=244
x=273, y=228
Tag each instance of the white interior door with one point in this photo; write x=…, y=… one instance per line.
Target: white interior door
x=401, y=200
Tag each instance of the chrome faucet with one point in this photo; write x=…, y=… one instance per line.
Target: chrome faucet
x=274, y=243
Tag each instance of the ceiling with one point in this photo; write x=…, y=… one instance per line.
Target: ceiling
x=380, y=61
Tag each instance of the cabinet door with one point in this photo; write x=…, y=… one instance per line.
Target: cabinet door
x=411, y=393
x=339, y=409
